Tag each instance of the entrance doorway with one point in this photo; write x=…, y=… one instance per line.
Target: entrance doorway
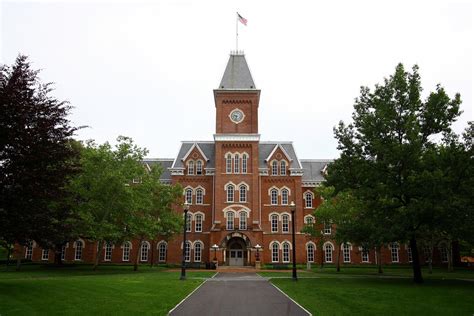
x=237, y=251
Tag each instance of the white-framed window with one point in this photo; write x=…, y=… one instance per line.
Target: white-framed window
x=45, y=254
x=228, y=163
x=191, y=167
x=187, y=251
x=199, y=167
x=230, y=220
x=284, y=197
x=327, y=228
x=197, y=252
x=274, y=168
x=243, y=221
x=145, y=248
x=394, y=251
x=346, y=253
x=189, y=219
x=230, y=193
x=283, y=167
x=286, y=252
x=310, y=252
x=126, y=251
x=78, y=253
x=162, y=248
x=365, y=254
x=237, y=163
x=328, y=253
x=274, y=197
x=243, y=194
x=199, y=196
x=29, y=250
x=274, y=220
x=198, y=223
x=108, y=251
x=63, y=252
x=275, y=252
x=309, y=220
x=427, y=253
x=443, y=251
x=410, y=254
x=189, y=195
x=244, y=163
x=285, y=223
x=308, y=196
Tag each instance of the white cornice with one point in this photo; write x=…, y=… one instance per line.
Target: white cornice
x=236, y=137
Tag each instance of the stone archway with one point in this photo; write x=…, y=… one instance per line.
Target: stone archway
x=237, y=249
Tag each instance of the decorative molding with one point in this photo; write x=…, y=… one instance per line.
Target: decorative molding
x=310, y=183
x=236, y=137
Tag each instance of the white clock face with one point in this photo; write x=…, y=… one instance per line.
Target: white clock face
x=236, y=116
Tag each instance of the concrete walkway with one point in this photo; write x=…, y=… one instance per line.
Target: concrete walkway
x=230, y=293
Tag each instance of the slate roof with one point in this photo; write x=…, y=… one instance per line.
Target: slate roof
x=237, y=74
x=207, y=148
x=165, y=163
x=313, y=169
x=266, y=148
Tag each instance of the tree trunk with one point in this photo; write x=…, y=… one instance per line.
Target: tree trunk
x=9, y=251
x=430, y=257
x=137, y=255
x=417, y=277
x=100, y=244
x=152, y=257
x=322, y=256
x=450, y=256
x=378, y=254
x=338, y=261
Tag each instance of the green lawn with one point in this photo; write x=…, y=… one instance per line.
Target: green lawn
x=112, y=290
x=361, y=291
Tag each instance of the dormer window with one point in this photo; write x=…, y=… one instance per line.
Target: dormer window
x=191, y=167
x=274, y=168
x=283, y=167
x=199, y=167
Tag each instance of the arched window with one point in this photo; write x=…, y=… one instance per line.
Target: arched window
x=286, y=252
x=144, y=251
x=284, y=197
x=237, y=163
x=274, y=197
x=197, y=252
x=394, y=251
x=243, y=193
x=346, y=253
x=78, y=253
x=308, y=196
x=274, y=220
x=29, y=250
x=230, y=193
x=275, y=254
x=244, y=163
x=328, y=252
x=126, y=251
x=187, y=251
x=285, y=223
x=282, y=167
x=45, y=254
x=410, y=254
x=310, y=252
x=274, y=168
x=365, y=254
x=230, y=220
x=162, y=248
x=443, y=251
x=243, y=221
x=199, y=196
x=63, y=252
x=199, y=167
x=189, y=219
x=309, y=220
x=228, y=164
x=191, y=167
x=189, y=195
x=198, y=223
x=108, y=251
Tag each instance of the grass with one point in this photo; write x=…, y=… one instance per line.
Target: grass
x=360, y=291
x=77, y=290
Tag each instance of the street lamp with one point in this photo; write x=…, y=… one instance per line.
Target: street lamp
x=215, y=247
x=257, y=255
x=293, y=209
x=183, y=263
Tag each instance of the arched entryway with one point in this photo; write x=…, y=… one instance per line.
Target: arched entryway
x=236, y=248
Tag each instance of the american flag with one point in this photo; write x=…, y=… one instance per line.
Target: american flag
x=242, y=19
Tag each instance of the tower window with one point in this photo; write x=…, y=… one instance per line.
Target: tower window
x=237, y=163
x=244, y=163
x=228, y=164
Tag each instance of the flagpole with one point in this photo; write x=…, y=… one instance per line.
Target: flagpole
x=236, y=33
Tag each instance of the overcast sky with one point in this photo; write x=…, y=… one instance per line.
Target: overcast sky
x=147, y=69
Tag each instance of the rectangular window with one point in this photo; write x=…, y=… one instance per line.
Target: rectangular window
x=244, y=164
x=237, y=164
x=410, y=256
x=144, y=253
x=365, y=255
x=275, y=250
x=198, y=223
x=228, y=164
x=346, y=251
x=444, y=253
x=394, y=252
x=327, y=228
x=63, y=252
x=29, y=251
x=188, y=222
x=187, y=252
x=126, y=252
x=45, y=254
x=108, y=252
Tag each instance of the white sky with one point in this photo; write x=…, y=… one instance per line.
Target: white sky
x=146, y=69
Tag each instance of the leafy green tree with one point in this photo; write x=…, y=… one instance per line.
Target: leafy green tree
x=382, y=152
x=36, y=156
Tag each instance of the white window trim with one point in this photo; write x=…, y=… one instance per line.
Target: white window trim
x=158, y=245
x=129, y=250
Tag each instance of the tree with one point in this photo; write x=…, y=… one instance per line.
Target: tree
x=382, y=152
x=36, y=155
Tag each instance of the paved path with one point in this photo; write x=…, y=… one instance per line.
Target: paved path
x=238, y=294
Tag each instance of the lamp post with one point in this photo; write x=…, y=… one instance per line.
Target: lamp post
x=257, y=256
x=183, y=263
x=215, y=247
x=293, y=209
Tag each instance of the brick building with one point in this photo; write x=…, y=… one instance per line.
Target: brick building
x=239, y=190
